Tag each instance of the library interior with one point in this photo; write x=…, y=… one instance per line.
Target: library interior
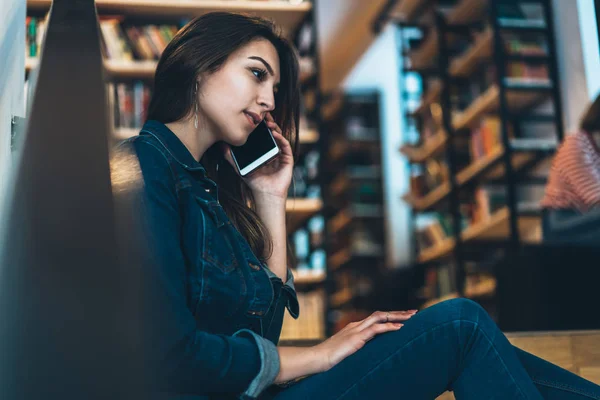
x=442, y=150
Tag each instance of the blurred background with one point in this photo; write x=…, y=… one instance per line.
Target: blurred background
x=427, y=132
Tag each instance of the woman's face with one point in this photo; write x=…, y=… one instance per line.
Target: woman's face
x=233, y=100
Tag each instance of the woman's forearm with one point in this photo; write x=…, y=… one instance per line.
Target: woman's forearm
x=296, y=362
x=271, y=211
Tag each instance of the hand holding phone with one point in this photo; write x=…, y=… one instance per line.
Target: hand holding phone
x=259, y=149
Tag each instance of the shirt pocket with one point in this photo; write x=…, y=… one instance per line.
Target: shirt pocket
x=218, y=243
x=222, y=284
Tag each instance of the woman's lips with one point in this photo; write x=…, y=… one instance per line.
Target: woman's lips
x=250, y=119
x=255, y=118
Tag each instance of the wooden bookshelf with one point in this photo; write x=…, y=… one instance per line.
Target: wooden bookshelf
x=481, y=50
x=307, y=136
x=343, y=218
x=299, y=210
x=527, y=147
x=496, y=227
x=467, y=11
x=285, y=14
x=338, y=259
x=431, y=96
x=130, y=69
x=474, y=169
x=309, y=279
x=430, y=199
x=425, y=56
x=483, y=289
x=464, y=12
x=428, y=149
x=137, y=69
x=490, y=101
x=340, y=298
x=437, y=251
x=344, y=256
x=405, y=10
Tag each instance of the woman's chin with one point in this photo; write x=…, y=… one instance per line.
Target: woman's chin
x=239, y=140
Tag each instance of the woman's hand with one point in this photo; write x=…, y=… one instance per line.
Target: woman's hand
x=273, y=179
x=356, y=334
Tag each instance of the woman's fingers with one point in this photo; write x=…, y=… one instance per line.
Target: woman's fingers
x=283, y=143
x=378, y=329
x=379, y=317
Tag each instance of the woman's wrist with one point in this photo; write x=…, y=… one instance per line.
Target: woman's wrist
x=270, y=199
x=296, y=362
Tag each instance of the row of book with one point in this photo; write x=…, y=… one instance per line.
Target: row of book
x=487, y=200
x=439, y=282
x=485, y=138
x=130, y=105
x=525, y=45
x=428, y=176
x=311, y=322
x=135, y=42
x=526, y=71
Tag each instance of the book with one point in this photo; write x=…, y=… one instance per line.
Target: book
x=131, y=101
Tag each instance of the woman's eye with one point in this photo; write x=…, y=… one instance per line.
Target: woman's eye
x=259, y=73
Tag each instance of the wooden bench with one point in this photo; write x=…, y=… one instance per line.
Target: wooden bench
x=576, y=351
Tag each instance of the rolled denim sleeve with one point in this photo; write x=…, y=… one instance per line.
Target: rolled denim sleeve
x=182, y=358
x=291, y=302
x=270, y=365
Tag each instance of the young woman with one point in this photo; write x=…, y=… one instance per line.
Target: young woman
x=574, y=181
x=217, y=246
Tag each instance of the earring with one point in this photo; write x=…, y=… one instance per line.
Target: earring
x=196, y=106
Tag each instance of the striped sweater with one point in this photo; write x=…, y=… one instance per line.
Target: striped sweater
x=574, y=181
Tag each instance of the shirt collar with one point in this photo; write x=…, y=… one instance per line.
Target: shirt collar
x=172, y=144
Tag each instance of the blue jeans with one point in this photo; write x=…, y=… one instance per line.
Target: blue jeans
x=453, y=345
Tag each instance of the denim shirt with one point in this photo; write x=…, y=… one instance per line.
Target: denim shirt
x=225, y=307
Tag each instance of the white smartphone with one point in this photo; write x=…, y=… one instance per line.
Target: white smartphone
x=259, y=149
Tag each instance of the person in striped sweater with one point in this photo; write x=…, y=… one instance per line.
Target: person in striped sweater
x=574, y=181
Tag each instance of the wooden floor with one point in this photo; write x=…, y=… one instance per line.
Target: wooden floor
x=578, y=352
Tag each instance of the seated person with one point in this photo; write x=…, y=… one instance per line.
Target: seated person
x=574, y=181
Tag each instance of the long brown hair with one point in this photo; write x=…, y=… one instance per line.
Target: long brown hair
x=202, y=47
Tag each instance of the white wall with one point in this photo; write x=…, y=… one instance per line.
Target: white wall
x=578, y=59
x=379, y=69
x=591, y=48
x=12, y=78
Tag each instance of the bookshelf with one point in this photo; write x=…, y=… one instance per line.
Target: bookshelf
x=300, y=210
x=140, y=69
x=135, y=71
x=430, y=148
x=355, y=212
x=287, y=15
x=490, y=114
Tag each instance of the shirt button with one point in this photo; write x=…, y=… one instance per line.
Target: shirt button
x=255, y=312
x=207, y=190
x=254, y=267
